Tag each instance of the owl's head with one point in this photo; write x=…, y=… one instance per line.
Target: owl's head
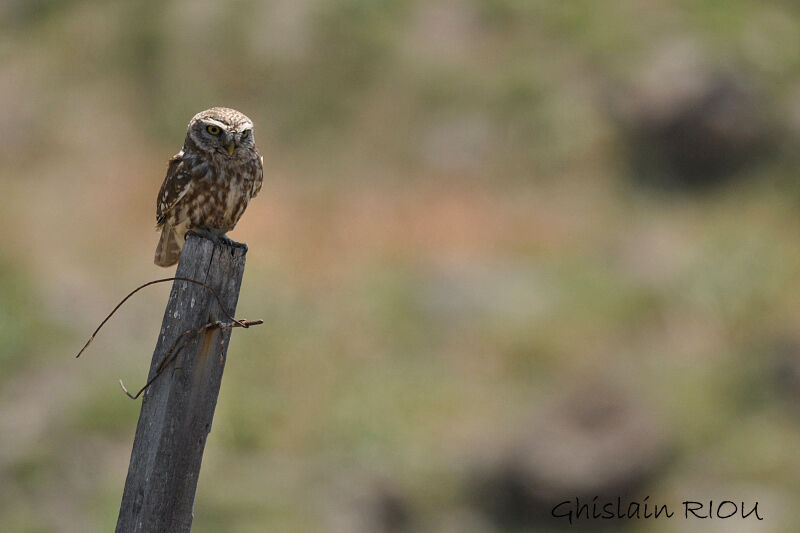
x=223, y=133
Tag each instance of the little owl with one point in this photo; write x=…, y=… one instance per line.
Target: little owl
x=209, y=183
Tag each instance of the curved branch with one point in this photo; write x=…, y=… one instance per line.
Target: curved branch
x=242, y=324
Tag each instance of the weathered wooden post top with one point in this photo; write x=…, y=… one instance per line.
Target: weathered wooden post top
x=177, y=409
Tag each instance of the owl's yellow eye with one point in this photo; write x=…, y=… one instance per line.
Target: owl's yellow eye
x=245, y=134
x=213, y=130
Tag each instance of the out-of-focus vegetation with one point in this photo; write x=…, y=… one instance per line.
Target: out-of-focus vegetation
x=507, y=252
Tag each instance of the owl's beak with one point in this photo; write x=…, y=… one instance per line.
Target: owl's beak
x=230, y=142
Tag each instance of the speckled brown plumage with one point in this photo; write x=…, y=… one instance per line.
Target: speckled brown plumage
x=210, y=182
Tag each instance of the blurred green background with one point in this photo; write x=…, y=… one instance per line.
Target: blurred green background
x=508, y=253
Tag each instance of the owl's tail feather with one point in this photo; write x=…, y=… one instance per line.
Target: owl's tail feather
x=169, y=247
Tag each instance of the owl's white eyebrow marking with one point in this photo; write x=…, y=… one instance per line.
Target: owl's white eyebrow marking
x=211, y=121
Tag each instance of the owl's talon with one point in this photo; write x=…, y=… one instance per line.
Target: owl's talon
x=216, y=238
x=224, y=239
x=204, y=234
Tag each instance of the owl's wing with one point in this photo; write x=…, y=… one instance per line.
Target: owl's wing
x=259, y=176
x=175, y=187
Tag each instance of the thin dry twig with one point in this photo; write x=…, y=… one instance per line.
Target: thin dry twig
x=172, y=353
x=242, y=324
x=187, y=335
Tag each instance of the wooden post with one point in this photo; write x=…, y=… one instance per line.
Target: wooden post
x=178, y=407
